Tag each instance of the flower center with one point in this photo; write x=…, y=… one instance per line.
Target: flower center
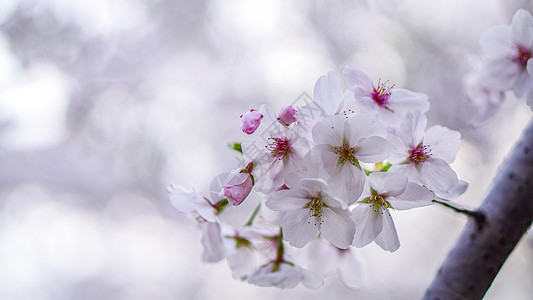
x=315, y=209
x=346, y=154
x=420, y=154
x=279, y=147
x=523, y=54
x=377, y=202
x=381, y=94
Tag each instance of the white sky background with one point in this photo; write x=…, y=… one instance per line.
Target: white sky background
x=105, y=103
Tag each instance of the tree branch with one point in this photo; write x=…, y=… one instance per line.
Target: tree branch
x=479, y=253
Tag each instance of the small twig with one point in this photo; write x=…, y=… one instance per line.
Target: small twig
x=478, y=216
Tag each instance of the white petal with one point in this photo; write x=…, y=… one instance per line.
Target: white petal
x=413, y=196
x=402, y=101
x=214, y=248
x=313, y=186
x=500, y=73
x=321, y=155
x=351, y=270
x=365, y=126
x=311, y=280
x=385, y=183
x=388, y=238
x=337, y=227
x=299, y=228
x=443, y=142
x=287, y=200
x=368, y=224
x=459, y=189
x=437, y=175
x=373, y=149
x=354, y=77
x=409, y=170
x=412, y=129
x=330, y=131
x=347, y=182
x=328, y=93
x=242, y=262
x=497, y=41
x=523, y=84
x=521, y=26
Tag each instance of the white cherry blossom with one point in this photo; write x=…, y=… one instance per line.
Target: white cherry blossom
x=341, y=143
x=425, y=156
x=389, y=103
x=309, y=209
x=372, y=216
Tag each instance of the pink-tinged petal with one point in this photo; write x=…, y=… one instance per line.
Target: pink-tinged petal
x=351, y=270
x=364, y=126
x=328, y=93
x=299, y=228
x=523, y=84
x=412, y=129
x=354, y=77
x=497, y=41
x=330, y=131
x=437, y=175
x=287, y=200
x=521, y=27
x=311, y=280
x=414, y=196
x=443, y=142
x=388, y=238
x=337, y=227
x=269, y=118
x=237, y=187
x=347, y=181
x=402, y=101
x=250, y=121
x=389, y=184
x=368, y=224
x=373, y=149
x=287, y=115
x=214, y=248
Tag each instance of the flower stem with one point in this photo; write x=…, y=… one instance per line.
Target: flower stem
x=479, y=217
x=254, y=214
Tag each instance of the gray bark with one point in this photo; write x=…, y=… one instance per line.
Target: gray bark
x=480, y=252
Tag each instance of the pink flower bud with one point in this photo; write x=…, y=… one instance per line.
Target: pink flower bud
x=287, y=115
x=237, y=186
x=250, y=121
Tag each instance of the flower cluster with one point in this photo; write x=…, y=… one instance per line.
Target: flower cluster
x=507, y=66
x=321, y=180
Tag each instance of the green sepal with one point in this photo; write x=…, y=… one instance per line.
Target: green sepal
x=235, y=146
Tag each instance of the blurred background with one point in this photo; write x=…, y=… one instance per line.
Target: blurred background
x=104, y=103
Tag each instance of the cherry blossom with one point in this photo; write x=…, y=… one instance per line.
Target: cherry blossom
x=309, y=209
x=509, y=49
x=276, y=151
x=383, y=99
x=237, y=186
x=341, y=143
x=425, y=156
x=250, y=121
x=372, y=217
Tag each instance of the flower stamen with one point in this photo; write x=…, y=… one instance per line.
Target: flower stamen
x=279, y=147
x=523, y=54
